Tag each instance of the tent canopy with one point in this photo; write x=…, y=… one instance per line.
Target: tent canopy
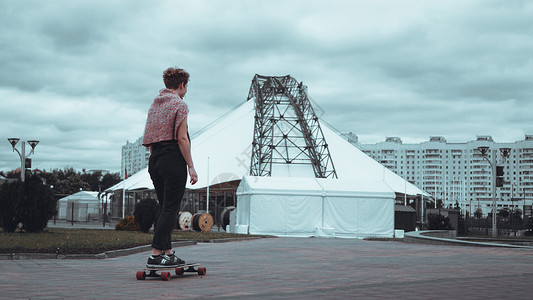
x=224, y=147
x=82, y=196
x=138, y=181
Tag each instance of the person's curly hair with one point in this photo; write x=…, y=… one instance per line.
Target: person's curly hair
x=173, y=77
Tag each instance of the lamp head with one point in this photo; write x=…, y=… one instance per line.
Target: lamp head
x=505, y=152
x=483, y=150
x=13, y=141
x=33, y=143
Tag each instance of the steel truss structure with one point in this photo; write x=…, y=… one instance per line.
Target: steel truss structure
x=286, y=128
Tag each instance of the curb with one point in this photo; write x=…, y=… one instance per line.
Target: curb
x=138, y=249
x=113, y=253
x=107, y=254
x=445, y=237
x=227, y=240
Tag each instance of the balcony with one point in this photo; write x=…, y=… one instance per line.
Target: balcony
x=432, y=182
x=527, y=151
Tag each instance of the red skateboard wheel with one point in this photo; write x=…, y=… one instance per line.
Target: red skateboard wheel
x=165, y=276
x=202, y=271
x=141, y=275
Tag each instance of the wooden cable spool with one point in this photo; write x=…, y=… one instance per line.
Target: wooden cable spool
x=202, y=222
x=224, y=216
x=184, y=220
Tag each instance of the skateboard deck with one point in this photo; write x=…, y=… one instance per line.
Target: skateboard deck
x=165, y=272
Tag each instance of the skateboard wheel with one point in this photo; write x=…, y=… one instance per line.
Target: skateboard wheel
x=165, y=276
x=179, y=271
x=202, y=271
x=141, y=275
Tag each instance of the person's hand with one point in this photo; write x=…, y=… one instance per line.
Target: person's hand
x=193, y=175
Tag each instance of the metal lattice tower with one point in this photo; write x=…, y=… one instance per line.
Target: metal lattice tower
x=286, y=129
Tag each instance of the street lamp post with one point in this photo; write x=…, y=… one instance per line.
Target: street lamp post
x=505, y=153
x=492, y=164
x=22, y=154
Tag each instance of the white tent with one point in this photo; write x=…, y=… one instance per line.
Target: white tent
x=79, y=206
x=358, y=204
x=303, y=207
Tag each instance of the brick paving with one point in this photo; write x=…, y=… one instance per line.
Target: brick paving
x=287, y=268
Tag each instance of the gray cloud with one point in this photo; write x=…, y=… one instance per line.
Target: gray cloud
x=79, y=76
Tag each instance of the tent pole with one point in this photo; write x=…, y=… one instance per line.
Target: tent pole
x=405, y=191
x=124, y=191
x=207, y=208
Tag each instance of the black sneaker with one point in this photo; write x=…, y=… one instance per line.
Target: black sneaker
x=158, y=261
x=174, y=259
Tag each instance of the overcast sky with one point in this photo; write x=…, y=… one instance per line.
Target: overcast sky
x=79, y=76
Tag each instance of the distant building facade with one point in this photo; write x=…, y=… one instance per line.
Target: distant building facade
x=456, y=173
x=135, y=156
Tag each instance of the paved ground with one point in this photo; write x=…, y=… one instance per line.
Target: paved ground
x=287, y=268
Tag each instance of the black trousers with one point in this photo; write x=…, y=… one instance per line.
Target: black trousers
x=168, y=171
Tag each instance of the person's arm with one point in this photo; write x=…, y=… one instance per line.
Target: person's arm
x=185, y=148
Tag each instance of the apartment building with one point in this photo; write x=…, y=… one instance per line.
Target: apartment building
x=458, y=173
x=135, y=156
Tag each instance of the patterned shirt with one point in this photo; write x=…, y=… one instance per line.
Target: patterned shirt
x=164, y=117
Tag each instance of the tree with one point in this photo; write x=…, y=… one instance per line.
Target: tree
x=439, y=222
x=109, y=180
x=68, y=181
x=503, y=213
x=440, y=204
x=516, y=217
x=92, y=179
x=478, y=213
x=99, y=182
x=13, y=174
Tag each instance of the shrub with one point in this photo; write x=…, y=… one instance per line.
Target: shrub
x=38, y=205
x=516, y=217
x=439, y=222
x=128, y=223
x=31, y=203
x=10, y=195
x=529, y=227
x=462, y=230
x=146, y=213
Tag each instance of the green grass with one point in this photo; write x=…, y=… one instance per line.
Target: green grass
x=91, y=241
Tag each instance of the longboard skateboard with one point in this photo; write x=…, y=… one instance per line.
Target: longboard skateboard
x=179, y=270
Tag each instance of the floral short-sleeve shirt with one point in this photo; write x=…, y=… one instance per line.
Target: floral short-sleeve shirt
x=164, y=117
